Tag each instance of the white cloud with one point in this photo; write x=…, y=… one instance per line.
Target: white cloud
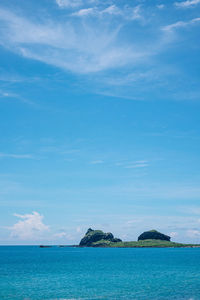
x=141, y=161
x=9, y=95
x=68, y=3
x=95, y=162
x=180, y=24
x=17, y=156
x=160, y=6
x=72, y=234
x=188, y=3
x=66, y=237
x=193, y=233
x=82, y=46
x=127, y=13
x=173, y=234
x=4, y=94
x=80, y=49
x=136, y=14
x=84, y=12
x=112, y=10
x=60, y=235
x=29, y=227
x=133, y=164
x=136, y=166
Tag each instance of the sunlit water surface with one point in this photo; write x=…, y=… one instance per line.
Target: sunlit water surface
x=30, y=272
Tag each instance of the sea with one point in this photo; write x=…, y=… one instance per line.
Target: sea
x=69, y=273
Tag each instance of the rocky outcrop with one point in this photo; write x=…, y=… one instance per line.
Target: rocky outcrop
x=153, y=235
x=93, y=236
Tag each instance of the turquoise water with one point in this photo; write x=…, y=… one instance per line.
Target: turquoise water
x=99, y=273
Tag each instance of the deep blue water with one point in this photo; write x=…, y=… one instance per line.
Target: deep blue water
x=99, y=273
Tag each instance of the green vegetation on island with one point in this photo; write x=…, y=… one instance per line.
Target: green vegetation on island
x=153, y=235
x=151, y=238
x=143, y=244
x=96, y=236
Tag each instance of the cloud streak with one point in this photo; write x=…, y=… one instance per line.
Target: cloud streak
x=10, y=95
x=17, y=156
x=181, y=24
x=117, y=44
x=84, y=12
x=68, y=3
x=73, y=46
x=187, y=4
x=133, y=165
x=137, y=165
x=125, y=13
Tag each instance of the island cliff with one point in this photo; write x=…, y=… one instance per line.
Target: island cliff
x=148, y=239
x=153, y=235
x=97, y=238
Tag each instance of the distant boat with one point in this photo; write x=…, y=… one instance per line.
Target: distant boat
x=43, y=246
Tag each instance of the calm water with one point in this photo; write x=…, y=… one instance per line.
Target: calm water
x=90, y=273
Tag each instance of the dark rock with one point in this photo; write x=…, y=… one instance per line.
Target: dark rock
x=116, y=240
x=153, y=235
x=108, y=236
x=93, y=236
x=89, y=230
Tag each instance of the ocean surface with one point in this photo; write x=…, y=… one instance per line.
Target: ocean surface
x=30, y=272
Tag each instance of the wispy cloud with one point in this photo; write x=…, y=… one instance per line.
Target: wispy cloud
x=173, y=234
x=6, y=94
x=10, y=95
x=180, y=24
x=68, y=234
x=29, y=227
x=80, y=48
x=84, y=12
x=98, y=12
x=96, y=162
x=193, y=233
x=134, y=164
x=112, y=10
x=160, y=6
x=187, y=4
x=68, y=3
x=60, y=235
x=136, y=13
x=93, y=39
x=17, y=156
x=127, y=13
x=137, y=165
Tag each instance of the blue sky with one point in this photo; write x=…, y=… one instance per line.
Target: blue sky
x=99, y=119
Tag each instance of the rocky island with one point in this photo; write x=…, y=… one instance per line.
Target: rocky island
x=151, y=238
x=153, y=235
x=97, y=238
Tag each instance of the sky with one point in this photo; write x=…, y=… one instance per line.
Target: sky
x=99, y=119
